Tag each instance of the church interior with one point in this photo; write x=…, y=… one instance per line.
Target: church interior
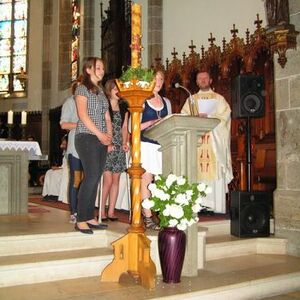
x=42, y=46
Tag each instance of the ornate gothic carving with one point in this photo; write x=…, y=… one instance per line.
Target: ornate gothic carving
x=252, y=54
x=281, y=34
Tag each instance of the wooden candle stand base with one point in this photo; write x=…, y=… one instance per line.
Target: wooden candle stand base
x=132, y=251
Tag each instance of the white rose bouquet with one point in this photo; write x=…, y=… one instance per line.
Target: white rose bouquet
x=176, y=200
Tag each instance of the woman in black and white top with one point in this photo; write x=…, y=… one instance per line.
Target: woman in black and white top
x=93, y=135
x=116, y=157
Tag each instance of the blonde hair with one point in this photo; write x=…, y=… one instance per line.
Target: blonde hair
x=161, y=73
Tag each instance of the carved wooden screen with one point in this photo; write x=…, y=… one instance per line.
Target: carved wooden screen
x=116, y=37
x=238, y=56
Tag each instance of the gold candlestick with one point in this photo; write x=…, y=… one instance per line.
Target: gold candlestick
x=132, y=251
x=135, y=35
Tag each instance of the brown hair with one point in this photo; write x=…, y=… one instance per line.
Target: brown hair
x=88, y=63
x=76, y=84
x=123, y=105
x=109, y=85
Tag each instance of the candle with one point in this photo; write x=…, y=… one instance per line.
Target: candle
x=23, y=118
x=135, y=35
x=10, y=117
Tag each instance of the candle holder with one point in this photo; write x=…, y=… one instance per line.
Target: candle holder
x=23, y=132
x=132, y=251
x=9, y=133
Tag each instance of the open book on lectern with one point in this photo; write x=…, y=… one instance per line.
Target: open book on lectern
x=207, y=106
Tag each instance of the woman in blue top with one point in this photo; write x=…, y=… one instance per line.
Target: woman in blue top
x=155, y=108
x=93, y=135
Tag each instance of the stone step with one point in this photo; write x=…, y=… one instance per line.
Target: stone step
x=214, y=228
x=222, y=227
x=39, y=243
x=224, y=246
x=246, y=277
x=46, y=257
x=250, y=289
x=52, y=266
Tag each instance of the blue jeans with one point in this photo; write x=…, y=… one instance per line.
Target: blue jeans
x=93, y=157
x=74, y=166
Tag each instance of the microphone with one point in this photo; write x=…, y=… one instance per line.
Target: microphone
x=190, y=99
x=179, y=86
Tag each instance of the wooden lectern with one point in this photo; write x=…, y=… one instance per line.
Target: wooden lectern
x=179, y=137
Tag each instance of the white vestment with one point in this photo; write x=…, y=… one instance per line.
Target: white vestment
x=56, y=182
x=214, y=155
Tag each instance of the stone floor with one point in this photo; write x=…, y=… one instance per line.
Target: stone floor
x=290, y=296
x=218, y=273
x=230, y=273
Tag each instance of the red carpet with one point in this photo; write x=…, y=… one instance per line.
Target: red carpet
x=121, y=214
x=36, y=210
x=54, y=204
x=214, y=217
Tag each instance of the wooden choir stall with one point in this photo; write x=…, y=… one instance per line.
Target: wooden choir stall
x=250, y=55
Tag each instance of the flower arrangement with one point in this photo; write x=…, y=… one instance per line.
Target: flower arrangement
x=142, y=76
x=176, y=200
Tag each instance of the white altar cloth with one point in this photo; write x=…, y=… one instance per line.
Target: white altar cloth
x=32, y=147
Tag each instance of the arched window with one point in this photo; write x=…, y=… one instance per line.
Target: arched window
x=13, y=48
x=75, y=38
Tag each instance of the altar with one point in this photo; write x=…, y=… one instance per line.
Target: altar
x=32, y=147
x=14, y=156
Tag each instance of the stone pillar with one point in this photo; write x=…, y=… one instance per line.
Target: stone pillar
x=65, y=42
x=87, y=29
x=287, y=103
x=46, y=72
x=155, y=42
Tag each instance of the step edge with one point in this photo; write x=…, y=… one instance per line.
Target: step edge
x=57, y=262
x=225, y=292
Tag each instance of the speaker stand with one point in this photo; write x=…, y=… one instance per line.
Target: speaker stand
x=249, y=159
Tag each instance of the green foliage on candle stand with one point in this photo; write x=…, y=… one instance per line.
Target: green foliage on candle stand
x=139, y=74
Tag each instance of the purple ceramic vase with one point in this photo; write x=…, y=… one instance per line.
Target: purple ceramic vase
x=171, y=248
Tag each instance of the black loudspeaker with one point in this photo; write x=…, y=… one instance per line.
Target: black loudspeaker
x=250, y=213
x=247, y=95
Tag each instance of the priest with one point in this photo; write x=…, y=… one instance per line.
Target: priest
x=214, y=157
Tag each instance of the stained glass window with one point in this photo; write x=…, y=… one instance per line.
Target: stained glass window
x=75, y=38
x=13, y=47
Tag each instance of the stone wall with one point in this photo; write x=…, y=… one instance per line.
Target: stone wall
x=155, y=42
x=287, y=102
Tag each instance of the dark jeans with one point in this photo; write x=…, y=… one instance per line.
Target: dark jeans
x=93, y=156
x=74, y=165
